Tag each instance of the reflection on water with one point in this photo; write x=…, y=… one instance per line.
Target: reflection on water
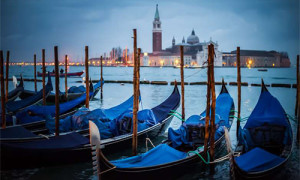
x=153, y=95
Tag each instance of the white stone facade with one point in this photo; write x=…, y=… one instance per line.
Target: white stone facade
x=203, y=55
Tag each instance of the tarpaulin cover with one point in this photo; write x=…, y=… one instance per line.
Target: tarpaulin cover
x=257, y=159
x=268, y=110
x=224, y=103
x=101, y=117
x=41, y=112
x=161, y=154
x=14, y=106
x=123, y=124
x=162, y=111
x=67, y=141
x=76, y=89
x=16, y=132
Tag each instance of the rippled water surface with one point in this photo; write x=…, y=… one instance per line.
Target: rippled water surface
x=153, y=95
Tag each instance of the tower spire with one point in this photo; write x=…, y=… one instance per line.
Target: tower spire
x=156, y=17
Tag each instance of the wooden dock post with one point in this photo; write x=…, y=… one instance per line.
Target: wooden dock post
x=101, y=77
x=213, y=108
x=66, y=77
x=6, y=78
x=297, y=110
x=182, y=82
x=56, y=63
x=44, y=74
x=34, y=71
x=135, y=96
x=208, y=93
x=87, y=86
x=238, y=65
x=297, y=92
x=3, y=120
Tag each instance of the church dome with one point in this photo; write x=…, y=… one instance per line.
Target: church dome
x=193, y=39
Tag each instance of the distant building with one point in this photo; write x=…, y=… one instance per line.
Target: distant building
x=195, y=52
x=255, y=58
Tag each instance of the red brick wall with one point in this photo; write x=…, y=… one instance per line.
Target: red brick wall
x=157, y=41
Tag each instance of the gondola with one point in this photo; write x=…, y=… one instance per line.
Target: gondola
x=73, y=93
x=265, y=142
x=73, y=74
x=163, y=161
x=15, y=93
x=15, y=106
x=72, y=146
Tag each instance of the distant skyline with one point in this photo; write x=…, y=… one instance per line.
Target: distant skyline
x=31, y=25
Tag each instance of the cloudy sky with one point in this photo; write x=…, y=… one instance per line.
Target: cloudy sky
x=27, y=26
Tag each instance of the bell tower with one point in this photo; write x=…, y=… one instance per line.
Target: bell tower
x=156, y=33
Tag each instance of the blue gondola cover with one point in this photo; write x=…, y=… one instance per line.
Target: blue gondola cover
x=257, y=159
x=159, y=155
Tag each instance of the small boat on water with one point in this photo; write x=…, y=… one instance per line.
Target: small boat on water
x=30, y=149
x=73, y=93
x=169, y=159
x=265, y=142
x=15, y=106
x=261, y=69
x=73, y=74
x=15, y=93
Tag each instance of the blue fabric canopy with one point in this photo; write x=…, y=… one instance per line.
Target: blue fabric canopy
x=224, y=103
x=14, y=106
x=161, y=154
x=162, y=111
x=101, y=117
x=41, y=112
x=257, y=159
x=268, y=111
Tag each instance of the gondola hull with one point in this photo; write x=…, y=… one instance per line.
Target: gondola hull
x=20, y=158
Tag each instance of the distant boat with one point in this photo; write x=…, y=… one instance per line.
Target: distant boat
x=262, y=70
x=62, y=74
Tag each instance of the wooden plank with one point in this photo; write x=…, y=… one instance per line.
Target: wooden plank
x=44, y=74
x=66, y=77
x=239, y=88
x=87, y=86
x=135, y=105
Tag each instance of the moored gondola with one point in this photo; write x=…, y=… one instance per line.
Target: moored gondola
x=163, y=161
x=15, y=106
x=39, y=150
x=265, y=142
x=73, y=93
x=15, y=93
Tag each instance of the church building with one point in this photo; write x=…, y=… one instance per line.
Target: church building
x=195, y=52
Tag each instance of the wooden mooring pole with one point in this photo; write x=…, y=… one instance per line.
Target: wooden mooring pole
x=297, y=110
x=208, y=93
x=34, y=71
x=66, y=77
x=87, y=86
x=213, y=107
x=182, y=82
x=7, y=72
x=297, y=92
x=56, y=63
x=135, y=96
x=238, y=65
x=3, y=120
x=101, y=77
x=44, y=74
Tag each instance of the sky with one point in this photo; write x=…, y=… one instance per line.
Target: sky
x=28, y=26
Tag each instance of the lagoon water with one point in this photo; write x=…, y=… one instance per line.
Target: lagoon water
x=152, y=95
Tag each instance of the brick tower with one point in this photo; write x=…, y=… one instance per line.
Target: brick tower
x=156, y=33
